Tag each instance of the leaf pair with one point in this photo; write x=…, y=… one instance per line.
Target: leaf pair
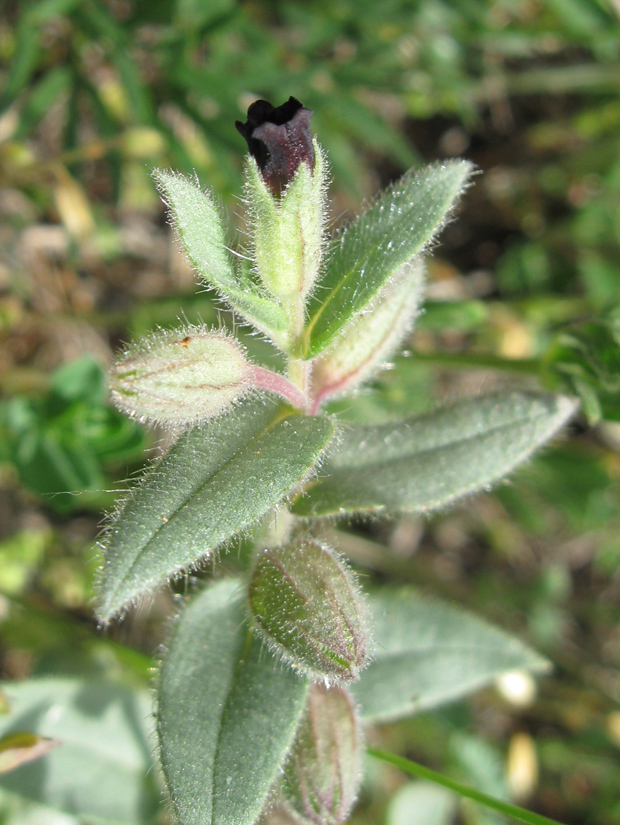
x=228, y=711
x=360, y=261
x=218, y=480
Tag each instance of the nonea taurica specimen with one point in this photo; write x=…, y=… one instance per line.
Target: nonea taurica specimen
x=270, y=674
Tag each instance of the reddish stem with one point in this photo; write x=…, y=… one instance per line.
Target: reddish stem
x=279, y=384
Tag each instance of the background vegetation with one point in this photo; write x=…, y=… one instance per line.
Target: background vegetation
x=524, y=290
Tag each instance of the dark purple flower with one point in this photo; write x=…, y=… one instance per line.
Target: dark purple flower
x=279, y=139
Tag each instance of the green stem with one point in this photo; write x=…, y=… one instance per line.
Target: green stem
x=469, y=360
x=298, y=376
x=274, y=382
x=498, y=805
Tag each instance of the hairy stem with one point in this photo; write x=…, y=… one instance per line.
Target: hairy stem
x=279, y=384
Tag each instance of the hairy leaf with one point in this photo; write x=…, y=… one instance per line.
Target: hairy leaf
x=101, y=768
x=228, y=712
x=421, y=465
x=214, y=482
x=428, y=653
x=200, y=230
x=369, y=252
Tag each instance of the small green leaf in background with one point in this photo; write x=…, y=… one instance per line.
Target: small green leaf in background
x=25, y=58
x=20, y=748
x=428, y=653
x=587, y=357
x=102, y=766
x=227, y=712
x=463, y=316
x=215, y=481
x=21, y=555
x=62, y=444
x=481, y=764
x=80, y=380
x=363, y=258
x=424, y=464
x=42, y=96
x=195, y=14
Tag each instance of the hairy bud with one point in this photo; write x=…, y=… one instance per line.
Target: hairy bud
x=285, y=193
x=279, y=140
x=321, y=777
x=309, y=607
x=370, y=338
x=181, y=377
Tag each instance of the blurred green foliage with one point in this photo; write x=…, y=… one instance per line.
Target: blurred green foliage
x=587, y=355
x=121, y=83
x=62, y=443
x=187, y=69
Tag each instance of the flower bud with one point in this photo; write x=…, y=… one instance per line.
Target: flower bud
x=180, y=377
x=321, y=777
x=309, y=607
x=285, y=194
x=370, y=338
x=279, y=140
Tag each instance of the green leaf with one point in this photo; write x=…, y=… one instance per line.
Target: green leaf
x=463, y=316
x=45, y=10
x=586, y=356
x=421, y=465
x=200, y=229
x=41, y=96
x=360, y=260
x=23, y=63
x=194, y=15
x=228, y=712
x=428, y=653
x=80, y=380
x=58, y=443
x=102, y=765
x=213, y=483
